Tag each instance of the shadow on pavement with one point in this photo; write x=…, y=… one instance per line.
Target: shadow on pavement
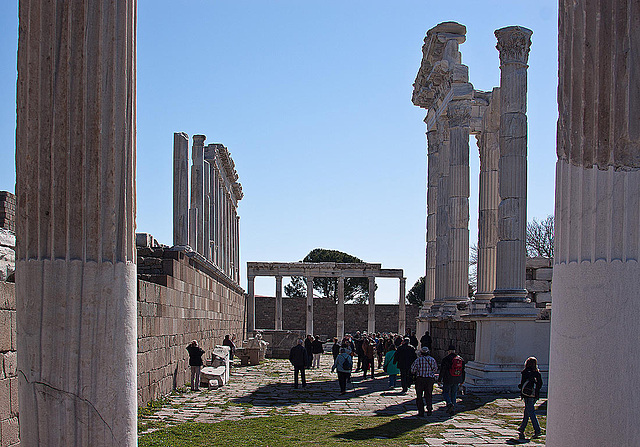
x=388, y=430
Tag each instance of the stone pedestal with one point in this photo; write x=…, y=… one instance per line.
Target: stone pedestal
x=75, y=183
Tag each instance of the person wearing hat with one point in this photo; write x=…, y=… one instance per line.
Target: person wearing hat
x=424, y=368
x=451, y=376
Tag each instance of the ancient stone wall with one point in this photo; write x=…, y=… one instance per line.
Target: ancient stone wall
x=8, y=211
x=9, y=430
x=538, y=283
x=180, y=299
x=7, y=235
x=462, y=334
x=324, y=316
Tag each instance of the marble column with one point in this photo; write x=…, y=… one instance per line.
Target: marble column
x=596, y=275
x=309, y=326
x=442, y=217
x=513, y=45
x=459, y=115
x=402, y=312
x=180, y=188
x=489, y=148
x=197, y=191
x=206, y=170
x=251, y=304
x=371, y=322
x=278, y=303
x=75, y=231
x=237, y=253
x=340, y=309
x=432, y=205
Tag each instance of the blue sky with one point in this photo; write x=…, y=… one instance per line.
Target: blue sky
x=313, y=99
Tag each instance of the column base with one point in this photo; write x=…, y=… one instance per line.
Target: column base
x=498, y=378
x=514, y=309
x=510, y=295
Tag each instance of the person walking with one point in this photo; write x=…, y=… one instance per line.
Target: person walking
x=404, y=358
x=390, y=366
x=343, y=364
x=424, y=368
x=299, y=359
x=195, y=362
x=369, y=353
x=317, y=350
x=530, y=385
x=357, y=342
x=451, y=376
x=308, y=345
x=335, y=349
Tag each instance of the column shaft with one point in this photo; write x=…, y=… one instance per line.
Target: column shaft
x=309, y=326
x=402, y=313
x=442, y=217
x=513, y=45
x=278, y=324
x=75, y=186
x=371, y=325
x=340, y=310
x=197, y=191
x=206, y=170
x=251, y=304
x=432, y=207
x=180, y=189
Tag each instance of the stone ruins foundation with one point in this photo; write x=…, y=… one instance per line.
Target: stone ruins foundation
x=508, y=324
x=595, y=354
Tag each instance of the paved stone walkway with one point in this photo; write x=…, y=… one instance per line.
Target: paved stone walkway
x=266, y=389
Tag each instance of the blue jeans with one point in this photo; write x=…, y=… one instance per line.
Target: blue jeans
x=392, y=380
x=529, y=413
x=450, y=393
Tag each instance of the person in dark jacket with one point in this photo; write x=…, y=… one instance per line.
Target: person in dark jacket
x=404, y=358
x=308, y=345
x=368, y=355
x=195, y=362
x=299, y=359
x=451, y=380
x=335, y=349
x=530, y=385
x=316, y=349
x=357, y=343
x=232, y=347
x=425, y=341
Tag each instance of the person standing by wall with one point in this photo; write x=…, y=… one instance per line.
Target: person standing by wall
x=424, y=368
x=451, y=376
x=195, y=362
x=426, y=340
x=299, y=359
x=530, y=386
x=232, y=347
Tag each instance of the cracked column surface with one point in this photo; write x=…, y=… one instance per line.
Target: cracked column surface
x=180, y=188
x=197, y=193
x=596, y=276
x=75, y=183
x=513, y=44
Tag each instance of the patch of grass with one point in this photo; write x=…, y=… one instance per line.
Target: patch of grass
x=299, y=430
x=153, y=407
x=146, y=425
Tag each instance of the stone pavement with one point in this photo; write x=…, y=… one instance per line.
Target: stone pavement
x=266, y=390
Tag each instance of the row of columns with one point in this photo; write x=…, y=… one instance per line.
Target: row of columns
x=210, y=225
x=340, y=329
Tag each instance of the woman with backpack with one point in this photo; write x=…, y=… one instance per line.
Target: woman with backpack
x=530, y=385
x=344, y=365
x=391, y=367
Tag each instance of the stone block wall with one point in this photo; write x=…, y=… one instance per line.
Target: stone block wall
x=538, y=283
x=180, y=298
x=9, y=430
x=461, y=333
x=324, y=315
x=7, y=235
x=8, y=211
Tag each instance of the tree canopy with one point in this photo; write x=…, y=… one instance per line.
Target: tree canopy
x=416, y=294
x=355, y=289
x=540, y=238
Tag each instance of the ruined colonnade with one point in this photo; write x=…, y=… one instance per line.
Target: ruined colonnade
x=311, y=270
x=210, y=224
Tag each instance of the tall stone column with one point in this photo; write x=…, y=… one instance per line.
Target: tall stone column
x=371, y=322
x=432, y=206
x=596, y=275
x=402, y=312
x=237, y=253
x=197, y=192
x=513, y=45
x=251, y=304
x=442, y=217
x=459, y=114
x=76, y=256
x=278, y=303
x=340, y=309
x=207, y=211
x=309, y=326
x=489, y=148
x=180, y=188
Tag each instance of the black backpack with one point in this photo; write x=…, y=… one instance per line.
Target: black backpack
x=529, y=388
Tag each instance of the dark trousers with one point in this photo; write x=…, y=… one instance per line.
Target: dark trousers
x=361, y=361
x=342, y=380
x=405, y=379
x=295, y=376
x=424, y=387
x=366, y=364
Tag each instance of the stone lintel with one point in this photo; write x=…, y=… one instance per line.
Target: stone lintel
x=321, y=270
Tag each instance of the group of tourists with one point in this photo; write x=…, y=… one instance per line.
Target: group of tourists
x=401, y=356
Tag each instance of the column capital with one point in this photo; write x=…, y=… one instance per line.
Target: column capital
x=513, y=44
x=459, y=113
